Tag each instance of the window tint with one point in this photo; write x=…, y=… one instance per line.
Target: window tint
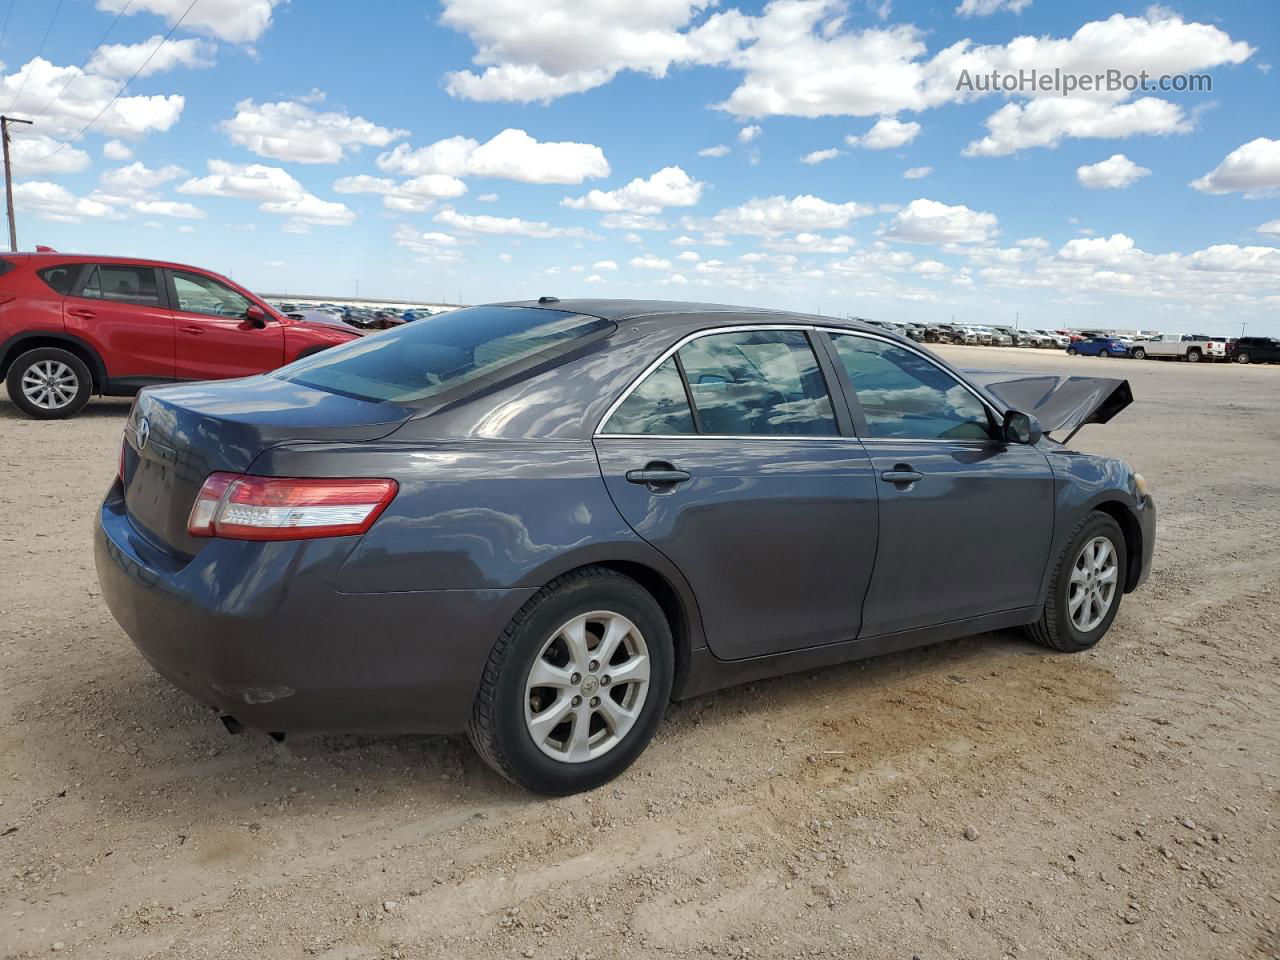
x=60, y=279
x=124, y=284
x=757, y=382
x=904, y=395
x=657, y=405
x=444, y=352
x=199, y=294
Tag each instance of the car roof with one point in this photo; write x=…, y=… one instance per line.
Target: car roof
x=618, y=310
x=52, y=256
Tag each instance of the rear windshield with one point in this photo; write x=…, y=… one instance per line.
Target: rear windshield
x=436, y=355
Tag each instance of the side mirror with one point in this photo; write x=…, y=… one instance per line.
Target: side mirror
x=1021, y=428
x=256, y=316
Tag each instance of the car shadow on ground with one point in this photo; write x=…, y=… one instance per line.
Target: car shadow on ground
x=106, y=408
x=865, y=713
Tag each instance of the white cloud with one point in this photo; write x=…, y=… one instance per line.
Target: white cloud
x=275, y=190
x=293, y=132
x=70, y=98
x=116, y=151
x=688, y=256
x=985, y=8
x=428, y=246
x=504, y=226
x=1270, y=229
x=52, y=201
x=931, y=268
x=888, y=132
x=675, y=279
x=775, y=215
x=820, y=156
x=719, y=150
x=928, y=221
x=35, y=153
x=1113, y=173
x=604, y=265
x=916, y=173
x=669, y=187
x=1046, y=123
x=406, y=196
x=594, y=278
x=488, y=198
x=511, y=155
x=650, y=262
x=235, y=21
x=122, y=60
x=136, y=179
x=169, y=208
x=748, y=133
x=1253, y=168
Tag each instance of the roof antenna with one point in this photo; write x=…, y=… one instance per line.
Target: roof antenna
x=548, y=299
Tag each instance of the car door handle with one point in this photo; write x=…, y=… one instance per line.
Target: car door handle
x=659, y=474
x=901, y=474
x=82, y=314
x=193, y=329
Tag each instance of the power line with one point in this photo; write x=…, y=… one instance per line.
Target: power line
x=75, y=76
x=4, y=31
x=27, y=76
x=79, y=133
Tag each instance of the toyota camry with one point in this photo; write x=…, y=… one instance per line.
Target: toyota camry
x=541, y=522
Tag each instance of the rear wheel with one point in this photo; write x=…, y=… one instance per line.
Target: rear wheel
x=1072, y=351
x=1193, y=355
x=576, y=685
x=1242, y=358
x=48, y=383
x=1139, y=353
x=1084, y=594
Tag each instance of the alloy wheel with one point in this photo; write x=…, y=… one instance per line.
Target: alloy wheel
x=587, y=687
x=50, y=384
x=1094, y=579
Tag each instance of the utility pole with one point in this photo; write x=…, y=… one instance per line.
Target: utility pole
x=1017, y=321
x=1242, y=326
x=8, y=179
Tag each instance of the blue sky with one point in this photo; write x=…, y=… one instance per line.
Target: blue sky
x=493, y=149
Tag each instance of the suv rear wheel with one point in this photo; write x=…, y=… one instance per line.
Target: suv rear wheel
x=48, y=383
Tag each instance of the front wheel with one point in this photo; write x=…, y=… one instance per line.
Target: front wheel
x=576, y=685
x=1072, y=351
x=1139, y=353
x=48, y=383
x=1242, y=358
x=1088, y=582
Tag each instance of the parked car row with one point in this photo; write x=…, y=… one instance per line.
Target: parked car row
x=362, y=318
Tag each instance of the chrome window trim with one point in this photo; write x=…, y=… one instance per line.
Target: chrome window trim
x=811, y=328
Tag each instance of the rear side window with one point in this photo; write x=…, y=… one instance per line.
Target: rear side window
x=658, y=405
x=757, y=382
x=444, y=353
x=60, y=279
x=124, y=284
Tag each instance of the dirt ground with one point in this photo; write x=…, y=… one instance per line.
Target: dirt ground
x=980, y=798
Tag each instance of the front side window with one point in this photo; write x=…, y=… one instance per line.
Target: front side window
x=658, y=405
x=200, y=294
x=905, y=396
x=757, y=382
x=444, y=352
x=123, y=284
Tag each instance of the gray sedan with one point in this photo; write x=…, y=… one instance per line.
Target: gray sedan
x=540, y=522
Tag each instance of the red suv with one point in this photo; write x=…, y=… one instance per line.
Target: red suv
x=72, y=326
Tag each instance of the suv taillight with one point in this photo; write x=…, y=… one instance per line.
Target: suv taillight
x=239, y=507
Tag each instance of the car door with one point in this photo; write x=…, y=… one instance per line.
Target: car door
x=215, y=337
x=730, y=457
x=965, y=520
x=121, y=309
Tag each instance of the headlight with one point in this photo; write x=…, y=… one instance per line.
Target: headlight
x=1140, y=484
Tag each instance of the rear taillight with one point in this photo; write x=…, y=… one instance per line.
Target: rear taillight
x=239, y=507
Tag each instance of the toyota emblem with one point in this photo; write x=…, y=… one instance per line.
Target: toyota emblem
x=143, y=432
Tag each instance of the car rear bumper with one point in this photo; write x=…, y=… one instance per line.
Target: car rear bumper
x=258, y=631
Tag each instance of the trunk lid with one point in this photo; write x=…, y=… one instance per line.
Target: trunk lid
x=176, y=436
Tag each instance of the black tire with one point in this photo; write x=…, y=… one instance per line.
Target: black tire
x=1242, y=357
x=498, y=729
x=1055, y=628
x=1072, y=351
x=1139, y=353
x=77, y=380
x=1193, y=355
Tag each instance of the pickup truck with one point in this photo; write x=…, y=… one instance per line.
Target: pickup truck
x=1256, y=350
x=1180, y=346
